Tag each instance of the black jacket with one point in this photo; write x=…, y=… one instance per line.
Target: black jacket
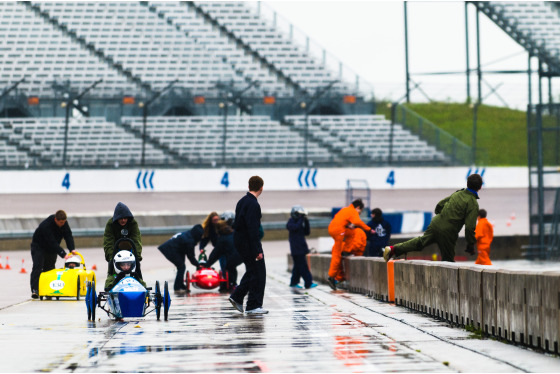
x=298, y=230
x=184, y=243
x=247, y=222
x=48, y=235
x=225, y=247
x=382, y=234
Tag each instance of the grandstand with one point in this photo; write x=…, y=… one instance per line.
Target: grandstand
x=195, y=84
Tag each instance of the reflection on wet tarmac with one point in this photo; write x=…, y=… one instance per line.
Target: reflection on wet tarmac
x=204, y=334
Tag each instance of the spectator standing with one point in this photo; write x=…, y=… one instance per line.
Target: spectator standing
x=248, y=244
x=298, y=228
x=45, y=246
x=484, y=234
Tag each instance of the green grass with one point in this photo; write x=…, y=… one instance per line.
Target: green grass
x=501, y=132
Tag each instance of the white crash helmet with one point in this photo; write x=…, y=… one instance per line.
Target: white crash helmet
x=72, y=262
x=122, y=258
x=298, y=211
x=228, y=216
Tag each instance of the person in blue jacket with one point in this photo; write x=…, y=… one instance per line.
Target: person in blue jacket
x=225, y=249
x=298, y=228
x=180, y=245
x=379, y=239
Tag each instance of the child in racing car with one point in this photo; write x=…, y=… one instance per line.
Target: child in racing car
x=72, y=262
x=124, y=264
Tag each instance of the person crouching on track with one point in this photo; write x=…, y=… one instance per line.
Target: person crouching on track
x=121, y=225
x=180, y=245
x=337, y=230
x=298, y=228
x=45, y=245
x=226, y=249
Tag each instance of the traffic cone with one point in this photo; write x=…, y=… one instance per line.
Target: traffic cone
x=22, y=271
x=8, y=264
x=1, y=267
x=94, y=267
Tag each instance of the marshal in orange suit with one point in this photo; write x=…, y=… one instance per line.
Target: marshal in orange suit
x=337, y=230
x=484, y=233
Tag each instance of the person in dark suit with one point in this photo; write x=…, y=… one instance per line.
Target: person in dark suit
x=247, y=241
x=45, y=246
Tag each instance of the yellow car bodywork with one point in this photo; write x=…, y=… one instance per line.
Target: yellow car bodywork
x=66, y=282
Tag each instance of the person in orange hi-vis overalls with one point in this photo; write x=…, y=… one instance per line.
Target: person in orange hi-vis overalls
x=337, y=230
x=484, y=233
x=355, y=241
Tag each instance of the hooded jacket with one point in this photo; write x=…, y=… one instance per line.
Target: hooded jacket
x=225, y=247
x=184, y=243
x=298, y=230
x=114, y=231
x=48, y=235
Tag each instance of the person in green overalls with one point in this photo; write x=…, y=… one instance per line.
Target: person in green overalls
x=461, y=208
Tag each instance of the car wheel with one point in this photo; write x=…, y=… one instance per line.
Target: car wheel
x=158, y=300
x=166, y=301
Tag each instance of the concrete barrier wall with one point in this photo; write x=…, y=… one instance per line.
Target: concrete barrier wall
x=518, y=306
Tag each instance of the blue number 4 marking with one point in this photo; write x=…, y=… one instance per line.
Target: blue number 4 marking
x=66, y=181
x=391, y=178
x=225, y=179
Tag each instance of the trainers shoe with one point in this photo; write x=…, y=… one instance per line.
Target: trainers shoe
x=388, y=252
x=34, y=294
x=313, y=285
x=332, y=282
x=257, y=311
x=296, y=286
x=236, y=305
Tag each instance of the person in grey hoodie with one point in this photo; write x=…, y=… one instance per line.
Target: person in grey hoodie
x=121, y=225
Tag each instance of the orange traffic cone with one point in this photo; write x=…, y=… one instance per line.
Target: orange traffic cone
x=94, y=267
x=7, y=267
x=1, y=267
x=22, y=271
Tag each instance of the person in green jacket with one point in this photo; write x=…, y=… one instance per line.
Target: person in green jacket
x=461, y=208
x=121, y=225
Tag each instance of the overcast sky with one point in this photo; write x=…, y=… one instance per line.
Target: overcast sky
x=369, y=38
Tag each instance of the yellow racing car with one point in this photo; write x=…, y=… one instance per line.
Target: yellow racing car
x=68, y=282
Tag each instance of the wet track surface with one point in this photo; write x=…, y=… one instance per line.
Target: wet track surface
x=314, y=330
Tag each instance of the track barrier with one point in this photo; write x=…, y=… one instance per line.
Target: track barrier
x=522, y=307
